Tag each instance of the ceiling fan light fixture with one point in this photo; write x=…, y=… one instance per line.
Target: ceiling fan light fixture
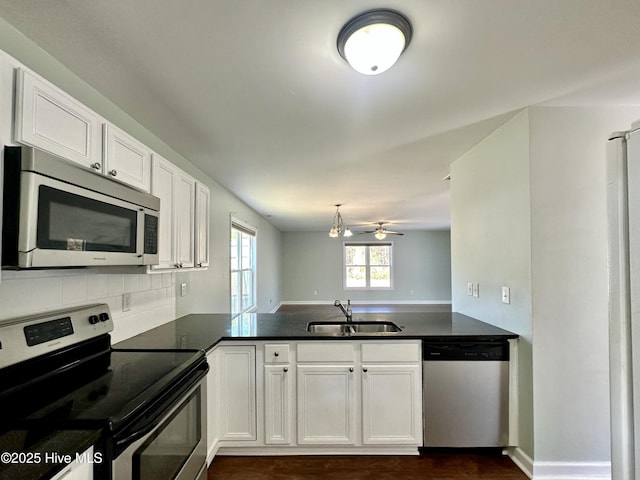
x=380, y=235
x=373, y=41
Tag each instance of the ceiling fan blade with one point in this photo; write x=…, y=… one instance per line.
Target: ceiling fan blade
x=393, y=233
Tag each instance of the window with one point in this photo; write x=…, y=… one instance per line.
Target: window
x=368, y=265
x=243, y=268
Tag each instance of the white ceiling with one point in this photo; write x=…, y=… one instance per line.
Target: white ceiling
x=255, y=93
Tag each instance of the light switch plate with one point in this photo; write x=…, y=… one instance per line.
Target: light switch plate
x=506, y=295
x=183, y=289
x=476, y=290
x=469, y=288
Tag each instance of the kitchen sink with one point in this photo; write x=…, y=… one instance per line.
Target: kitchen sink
x=335, y=328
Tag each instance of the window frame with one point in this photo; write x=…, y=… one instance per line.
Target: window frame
x=368, y=265
x=243, y=227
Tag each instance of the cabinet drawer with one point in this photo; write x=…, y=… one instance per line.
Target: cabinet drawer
x=326, y=352
x=276, y=353
x=391, y=352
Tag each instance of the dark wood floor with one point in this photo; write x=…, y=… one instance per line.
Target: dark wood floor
x=428, y=466
x=365, y=308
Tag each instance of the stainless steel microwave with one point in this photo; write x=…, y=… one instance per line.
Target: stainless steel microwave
x=56, y=214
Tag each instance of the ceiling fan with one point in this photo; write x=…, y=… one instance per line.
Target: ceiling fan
x=380, y=232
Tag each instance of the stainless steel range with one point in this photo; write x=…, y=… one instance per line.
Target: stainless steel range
x=58, y=371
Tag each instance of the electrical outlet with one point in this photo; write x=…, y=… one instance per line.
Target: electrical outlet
x=476, y=290
x=126, y=302
x=183, y=289
x=506, y=295
x=469, y=288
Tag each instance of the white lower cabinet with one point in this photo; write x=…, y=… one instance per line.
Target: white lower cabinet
x=312, y=396
x=279, y=399
x=81, y=469
x=326, y=404
x=236, y=366
x=391, y=405
x=278, y=408
x=212, y=402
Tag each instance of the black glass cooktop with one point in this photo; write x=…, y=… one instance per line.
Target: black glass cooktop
x=107, y=392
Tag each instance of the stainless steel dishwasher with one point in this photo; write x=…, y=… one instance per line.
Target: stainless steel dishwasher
x=466, y=393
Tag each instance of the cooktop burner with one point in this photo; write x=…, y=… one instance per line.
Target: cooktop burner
x=52, y=380
x=132, y=380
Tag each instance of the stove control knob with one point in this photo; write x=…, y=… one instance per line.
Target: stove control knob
x=104, y=317
x=93, y=319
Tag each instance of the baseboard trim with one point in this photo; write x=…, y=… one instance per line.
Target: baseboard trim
x=572, y=470
x=523, y=461
x=323, y=450
x=369, y=302
x=275, y=309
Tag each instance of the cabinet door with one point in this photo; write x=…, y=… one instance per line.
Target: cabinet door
x=185, y=220
x=203, y=199
x=49, y=119
x=80, y=469
x=126, y=159
x=391, y=405
x=326, y=404
x=237, y=395
x=212, y=404
x=278, y=408
x=163, y=186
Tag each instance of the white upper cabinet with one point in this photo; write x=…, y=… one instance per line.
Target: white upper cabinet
x=163, y=186
x=126, y=159
x=203, y=201
x=184, y=217
x=49, y=119
x=185, y=220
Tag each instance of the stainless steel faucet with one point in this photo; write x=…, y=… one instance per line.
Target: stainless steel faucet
x=347, y=311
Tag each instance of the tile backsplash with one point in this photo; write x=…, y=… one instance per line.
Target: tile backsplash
x=153, y=299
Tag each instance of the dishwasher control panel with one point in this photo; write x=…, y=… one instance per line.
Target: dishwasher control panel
x=468, y=351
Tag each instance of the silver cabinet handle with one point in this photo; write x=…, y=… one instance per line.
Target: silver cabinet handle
x=365, y=369
x=276, y=354
x=96, y=166
x=285, y=369
x=113, y=173
x=351, y=369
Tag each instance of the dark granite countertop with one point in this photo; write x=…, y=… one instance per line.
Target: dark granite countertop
x=29, y=456
x=204, y=331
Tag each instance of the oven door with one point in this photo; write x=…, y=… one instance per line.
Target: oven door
x=63, y=225
x=174, y=447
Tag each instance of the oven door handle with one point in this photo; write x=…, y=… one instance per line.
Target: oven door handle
x=157, y=412
x=149, y=426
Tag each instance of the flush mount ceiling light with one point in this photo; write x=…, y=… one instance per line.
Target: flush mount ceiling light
x=338, y=226
x=373, y=41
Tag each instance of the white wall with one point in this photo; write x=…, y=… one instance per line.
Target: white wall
x=312, y=261
x=154, y=297
x=569, y=277
x=556, y=157
x=490, y=232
